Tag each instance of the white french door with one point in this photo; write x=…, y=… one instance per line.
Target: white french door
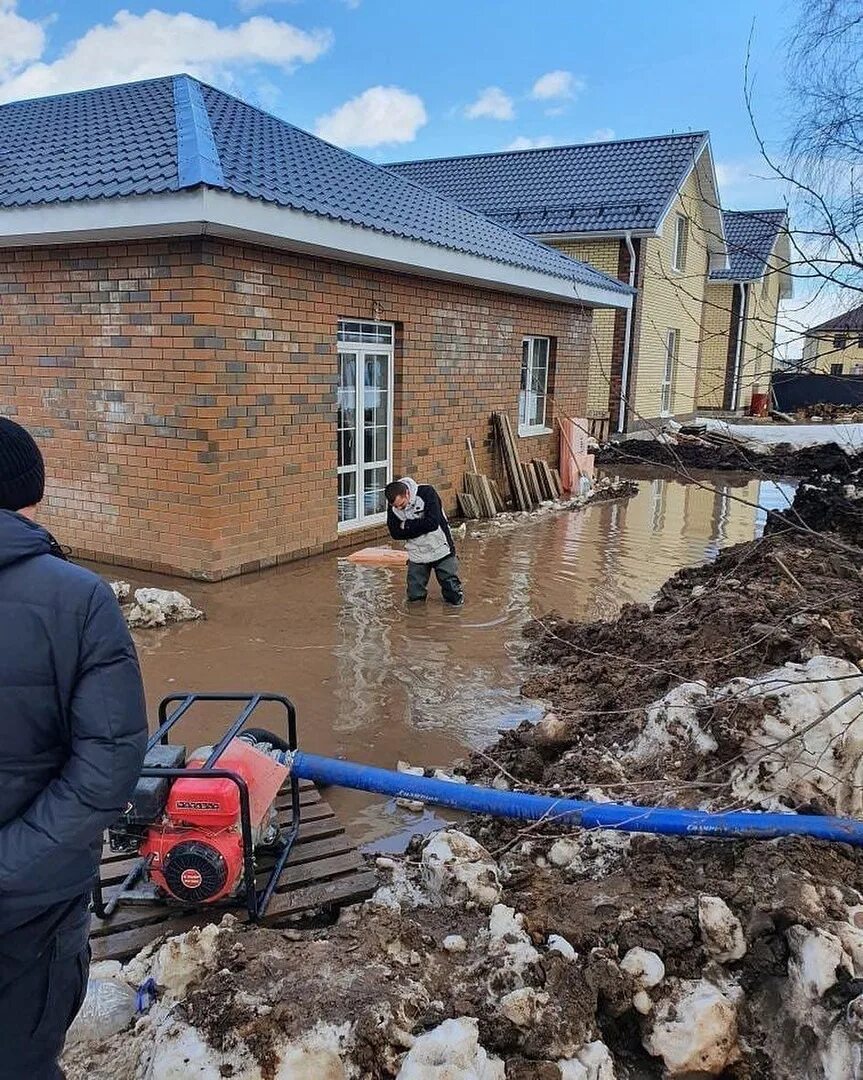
x=365, y=420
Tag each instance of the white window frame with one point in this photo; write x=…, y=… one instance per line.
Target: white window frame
x=681, y=239
x=363, y=348
x=666, y=387
x=525, y=429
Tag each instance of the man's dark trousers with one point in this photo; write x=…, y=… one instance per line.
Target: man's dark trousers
x=446, y=572
x=43, y=980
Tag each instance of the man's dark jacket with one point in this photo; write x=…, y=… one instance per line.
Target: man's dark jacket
x=72, y=719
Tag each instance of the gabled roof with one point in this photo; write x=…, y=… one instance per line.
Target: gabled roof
x=624, y=185
x=176, y=135
x=752, y=237
x=851, y=321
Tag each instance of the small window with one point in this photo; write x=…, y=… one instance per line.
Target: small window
x=365, y=333
x=681, y=236
x=840, y=341
x=836, y=369
x=535, y=354
x=666, y=389
x=860, y=342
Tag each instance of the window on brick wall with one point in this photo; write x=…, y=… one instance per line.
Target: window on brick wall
x=364, y=423
x=532, y=404
x=681, y=238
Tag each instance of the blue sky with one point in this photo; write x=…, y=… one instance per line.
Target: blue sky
x=417, y=78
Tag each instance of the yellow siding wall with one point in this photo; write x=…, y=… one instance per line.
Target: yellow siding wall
x=758, y=345
x=760, y=335
x=823, y=354
x=718, y=299
x=672, y=300
x=604, y=255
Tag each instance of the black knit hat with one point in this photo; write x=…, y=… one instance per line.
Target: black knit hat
x=22, y=471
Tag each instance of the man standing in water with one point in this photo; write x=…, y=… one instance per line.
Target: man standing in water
x=73, y=728
x=415, y=515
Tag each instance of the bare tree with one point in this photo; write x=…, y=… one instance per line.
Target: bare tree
x=823, y=162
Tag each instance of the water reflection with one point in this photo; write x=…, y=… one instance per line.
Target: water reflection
x=377, y=681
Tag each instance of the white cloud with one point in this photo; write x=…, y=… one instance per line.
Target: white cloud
x=157, y=43
x=601, y=135
x=556, y=84
x=379, y=115
x=21, y=40
x=524, y=143
x=492, y=103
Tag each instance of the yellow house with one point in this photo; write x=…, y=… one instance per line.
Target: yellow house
x=835, y=347
x=701, y=332
x=741, y=307
x=643, y=210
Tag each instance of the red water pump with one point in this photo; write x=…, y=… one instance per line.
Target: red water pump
x=203, y=826
x=196, y=851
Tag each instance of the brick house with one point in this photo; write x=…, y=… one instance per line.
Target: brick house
x=646, y=211
x=228, y=335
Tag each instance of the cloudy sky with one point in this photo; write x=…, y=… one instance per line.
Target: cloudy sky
x=396, y=79
x=405, y=78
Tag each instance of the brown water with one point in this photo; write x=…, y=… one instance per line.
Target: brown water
x=376, y=681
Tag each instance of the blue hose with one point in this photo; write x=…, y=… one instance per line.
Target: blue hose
x=575, y=812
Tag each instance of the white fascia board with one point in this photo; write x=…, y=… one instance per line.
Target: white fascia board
x=702, y=161
x=205, y=211
x=265, y=223
x=609, y=234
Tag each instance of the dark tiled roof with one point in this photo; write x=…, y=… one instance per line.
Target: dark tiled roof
x=852, y=321
x=172, y=134
x=595, y=187
x=751, y=236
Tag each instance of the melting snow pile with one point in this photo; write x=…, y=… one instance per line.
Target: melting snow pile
x=806, y=749
x=154, y=607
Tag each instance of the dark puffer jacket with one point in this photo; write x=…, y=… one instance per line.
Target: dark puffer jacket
x=72, y=719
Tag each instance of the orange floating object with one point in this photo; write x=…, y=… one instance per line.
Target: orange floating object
x=379, y=556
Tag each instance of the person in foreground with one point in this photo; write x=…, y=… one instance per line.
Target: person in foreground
x=415, y=515
x=73, y=729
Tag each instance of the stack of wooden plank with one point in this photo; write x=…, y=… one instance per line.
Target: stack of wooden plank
x=519, y=488
x=548, y=480
x=482, y=497
x=531, y=482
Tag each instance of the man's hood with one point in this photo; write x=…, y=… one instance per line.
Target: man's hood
x=411, y=485
x=20, y=538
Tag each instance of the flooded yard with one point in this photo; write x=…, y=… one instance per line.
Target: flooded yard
x=377, y=681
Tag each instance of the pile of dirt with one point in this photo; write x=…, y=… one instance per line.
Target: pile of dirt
x=829, y=503
x=778, y=599
x=726, y=456
x=853, y=414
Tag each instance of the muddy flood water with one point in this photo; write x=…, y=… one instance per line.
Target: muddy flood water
x=375, y=681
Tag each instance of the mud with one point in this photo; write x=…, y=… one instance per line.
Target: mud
x=828, y=503
x=525, y=946
x=762, y=604
x=695, y=453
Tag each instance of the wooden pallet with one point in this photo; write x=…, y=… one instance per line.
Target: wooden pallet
x=324, y=870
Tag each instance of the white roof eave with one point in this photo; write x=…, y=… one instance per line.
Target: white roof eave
x=206, y=211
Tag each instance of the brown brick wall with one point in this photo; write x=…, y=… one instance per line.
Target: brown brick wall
x=183, y=391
